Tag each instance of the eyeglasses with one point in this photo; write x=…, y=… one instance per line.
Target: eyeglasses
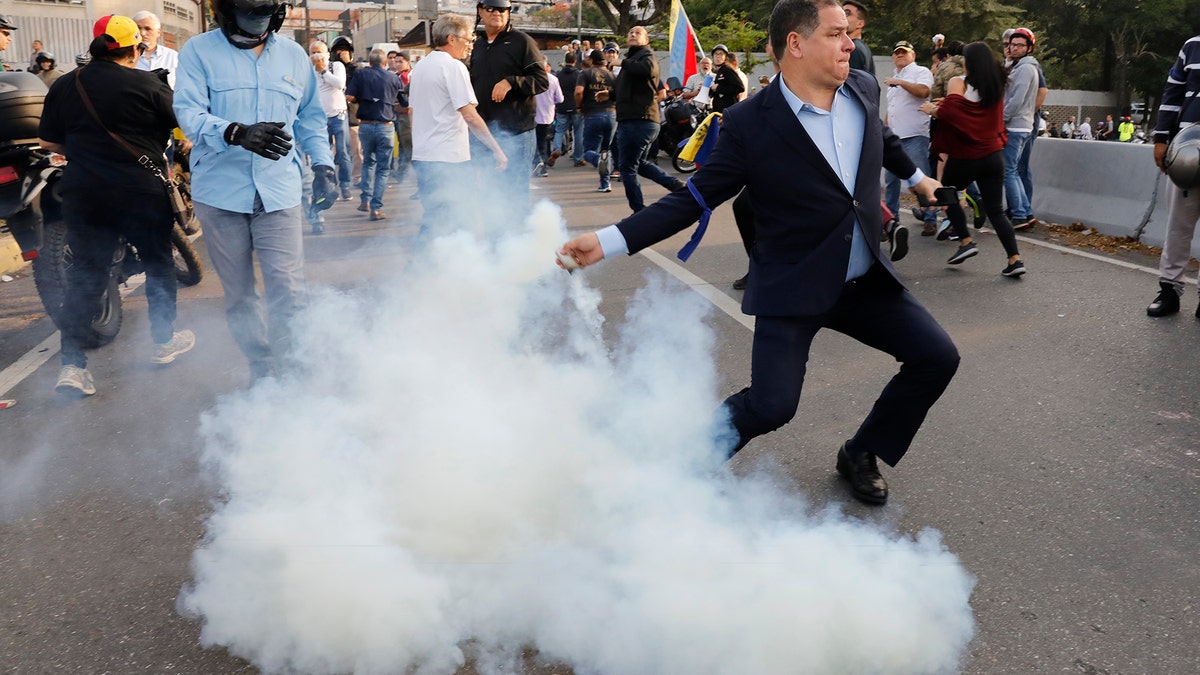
x=462, y=38
x=1019, y=44
x=493, y=10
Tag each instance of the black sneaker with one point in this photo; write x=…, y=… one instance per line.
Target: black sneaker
x=965, y=251
x=1014, y=270
x=1167, y=302
x=1024, y=223
x=899, y=242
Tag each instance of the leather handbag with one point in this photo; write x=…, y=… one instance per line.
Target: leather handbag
x=179, y=208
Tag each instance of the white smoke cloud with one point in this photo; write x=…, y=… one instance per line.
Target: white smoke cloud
x=465, y=470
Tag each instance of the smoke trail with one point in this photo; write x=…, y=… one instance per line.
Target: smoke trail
x=464, y=470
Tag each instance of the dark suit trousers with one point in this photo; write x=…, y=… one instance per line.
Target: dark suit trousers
x=877, y=312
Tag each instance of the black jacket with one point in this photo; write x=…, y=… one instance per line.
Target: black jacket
x=729, y=85
x=512, y=56
x=133, y=104
x=637, y=86
x=567, y=77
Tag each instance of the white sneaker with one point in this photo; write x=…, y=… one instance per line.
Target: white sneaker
x=182, y=341
x=75, y=380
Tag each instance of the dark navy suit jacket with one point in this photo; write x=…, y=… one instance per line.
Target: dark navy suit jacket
x=804, y=215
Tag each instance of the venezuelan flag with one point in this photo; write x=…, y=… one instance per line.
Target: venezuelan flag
x=683, y=45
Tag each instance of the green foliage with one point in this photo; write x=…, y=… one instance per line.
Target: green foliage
x=1119, y=45
x=735, y=31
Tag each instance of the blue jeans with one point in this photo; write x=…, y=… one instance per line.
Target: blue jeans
x=403, y=158
x=575, y=122
x=1024, y=171
x=598, y=129
x=634, y=140
x=441, y=186
x=339, y=139
x=1014, y=189
x=917, y=149
x=513, y=181
x=377, y=143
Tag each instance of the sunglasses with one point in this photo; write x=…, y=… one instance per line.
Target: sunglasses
x=493, y=10
x=5, y=33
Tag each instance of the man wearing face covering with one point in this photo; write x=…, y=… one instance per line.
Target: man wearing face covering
x=242, y=95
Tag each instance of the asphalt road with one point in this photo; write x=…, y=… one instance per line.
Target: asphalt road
x=1062, y=465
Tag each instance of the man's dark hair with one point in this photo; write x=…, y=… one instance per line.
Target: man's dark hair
x=984, y=73
x=569, y=58
x=795, y=16
x=100, y=51
x=941, y=53
x=956, y=47
x=862, y=9
x=597, y=57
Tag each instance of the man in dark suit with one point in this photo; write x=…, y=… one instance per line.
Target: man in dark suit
x=808, y=151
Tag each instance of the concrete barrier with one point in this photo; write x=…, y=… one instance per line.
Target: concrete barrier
x=1112, y=187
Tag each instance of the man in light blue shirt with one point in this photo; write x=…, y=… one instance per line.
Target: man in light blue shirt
x=241, y=95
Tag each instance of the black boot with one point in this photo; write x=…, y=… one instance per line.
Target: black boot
x=1167, y=302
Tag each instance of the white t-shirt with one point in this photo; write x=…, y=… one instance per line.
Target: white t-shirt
x=331, y=85
x=440, y=85
x=971, y=93
x=904, y=116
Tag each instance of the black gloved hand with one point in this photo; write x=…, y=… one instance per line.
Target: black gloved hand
x=263, y=138
x=324, y=187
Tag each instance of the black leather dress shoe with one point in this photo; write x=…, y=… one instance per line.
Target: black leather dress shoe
x=866, y=483
x=740, y=284
x=1166, y=303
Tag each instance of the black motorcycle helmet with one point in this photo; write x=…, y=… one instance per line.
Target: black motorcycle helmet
x=342, y=43
x=83, y=59
x=247, y=23
x=44, y=57
x=6, y=22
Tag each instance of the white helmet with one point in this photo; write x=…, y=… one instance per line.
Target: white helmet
x=1182, y=160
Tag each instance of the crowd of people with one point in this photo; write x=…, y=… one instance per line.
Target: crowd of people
x=277, y=133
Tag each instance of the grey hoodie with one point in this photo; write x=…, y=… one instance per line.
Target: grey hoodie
x=1020, y=96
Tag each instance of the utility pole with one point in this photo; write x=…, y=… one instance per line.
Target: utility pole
x=579, y=25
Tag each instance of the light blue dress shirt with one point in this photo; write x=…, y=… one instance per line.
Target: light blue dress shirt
x=217, y=84
x=838, y=134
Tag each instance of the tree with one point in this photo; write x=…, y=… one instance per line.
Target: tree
x=736, y=32
x=621, y=15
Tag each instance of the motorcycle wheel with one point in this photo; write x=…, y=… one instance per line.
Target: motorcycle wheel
x=50, y=278
x=188, y=270
x=682, y=165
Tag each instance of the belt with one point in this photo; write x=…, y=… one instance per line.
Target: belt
x=362, y=121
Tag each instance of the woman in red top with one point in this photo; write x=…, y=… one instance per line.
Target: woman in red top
x=970, y=131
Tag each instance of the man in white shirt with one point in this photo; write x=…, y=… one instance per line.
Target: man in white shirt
x=908, y=88
x=692, y=87
x=443, y=117
x=1085, y=129
x=331, y=86
x=155, y=56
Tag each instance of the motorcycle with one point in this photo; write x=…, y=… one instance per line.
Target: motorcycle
x=31, y=210
x=679, y=119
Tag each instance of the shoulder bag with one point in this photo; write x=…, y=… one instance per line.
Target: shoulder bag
x=179, y=208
